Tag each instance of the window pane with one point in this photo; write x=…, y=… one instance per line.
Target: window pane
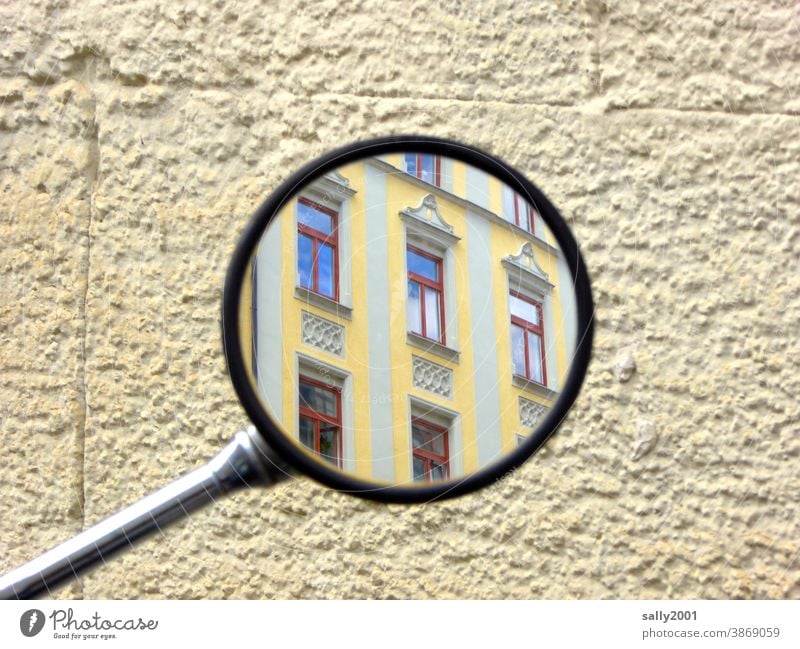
x=432, y=317
x=327, y=443
x=429, y=440
x=524, y=310
x=438, y=471
x=411, y=163
x=535, y=357
x=412, y=308
x=419, y=470
x=428, y=171
x=314, y=218
x=318, y=399
x=307, y=395
x=325, y=272
x=305, y=253
x=307, y=432
x=422, y=266
x=421, y=437
x=527, y=216
x=508, y=204
x=518, y=350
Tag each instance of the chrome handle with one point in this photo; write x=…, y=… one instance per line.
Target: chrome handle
x=246, y=461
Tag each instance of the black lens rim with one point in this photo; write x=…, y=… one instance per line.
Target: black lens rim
x=339, y=480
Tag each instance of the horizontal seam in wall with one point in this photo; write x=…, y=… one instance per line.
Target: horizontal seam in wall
x=577, y=107
x=595, y=99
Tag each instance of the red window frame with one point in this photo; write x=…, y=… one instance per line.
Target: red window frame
x=533, y=328
x=429, y=283
x=428, y=456
x=521, y=206
x=320, y=418
x=437, y=168
x=318, y=238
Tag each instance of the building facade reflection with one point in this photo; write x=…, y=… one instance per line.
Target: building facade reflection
x=411, y=318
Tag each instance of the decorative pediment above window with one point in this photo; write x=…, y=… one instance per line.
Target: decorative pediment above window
x=426, y=221
x=525, y=273
x=331, y=189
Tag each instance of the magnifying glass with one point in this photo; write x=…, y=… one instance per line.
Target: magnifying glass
x=405, y=319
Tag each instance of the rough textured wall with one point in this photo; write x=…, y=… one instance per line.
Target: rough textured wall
x=135, y=140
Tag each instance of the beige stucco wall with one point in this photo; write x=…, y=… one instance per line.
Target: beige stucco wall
x=135, y=140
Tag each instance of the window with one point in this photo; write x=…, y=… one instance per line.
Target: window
x=431, y=309
x=435, y=441
x=527, y=338
x=517, y=210
x=425, y=166
x=430, y=455
x=320, y=420
x=317, y=255
x=425, y=306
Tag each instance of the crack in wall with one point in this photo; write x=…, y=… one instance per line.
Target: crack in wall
x=86, y=78
x=596, y=12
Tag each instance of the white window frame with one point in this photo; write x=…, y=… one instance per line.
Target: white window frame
x=539, y=227
x=319, y=370
x=446, y=418
x=332, y=191
x=434, y=155
x=526, y=277
x=427, y=230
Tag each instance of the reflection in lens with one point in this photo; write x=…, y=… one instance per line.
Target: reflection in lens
x=409, y=318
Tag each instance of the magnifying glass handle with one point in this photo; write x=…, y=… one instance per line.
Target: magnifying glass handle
x=246, y=461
